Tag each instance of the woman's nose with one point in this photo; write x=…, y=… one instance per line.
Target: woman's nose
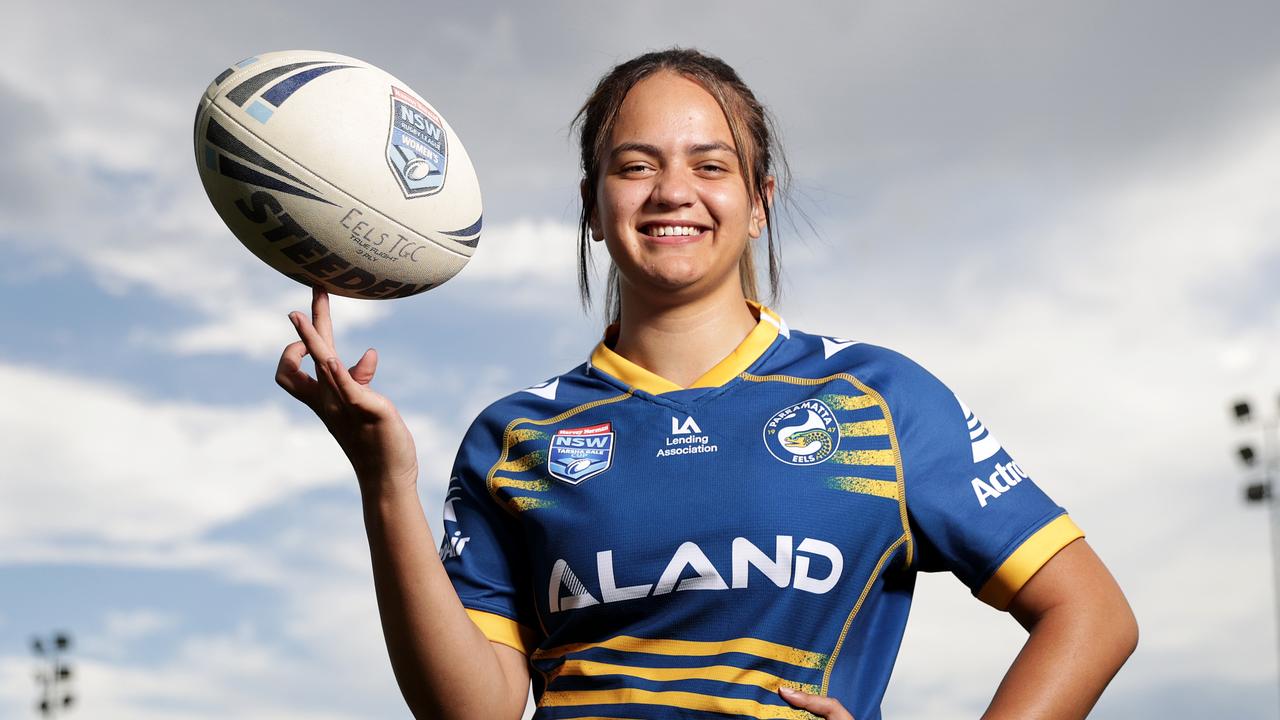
x=672, y=188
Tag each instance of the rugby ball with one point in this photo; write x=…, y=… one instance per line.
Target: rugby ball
x=337, y=174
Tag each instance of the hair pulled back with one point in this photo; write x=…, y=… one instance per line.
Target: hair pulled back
x=753, y=138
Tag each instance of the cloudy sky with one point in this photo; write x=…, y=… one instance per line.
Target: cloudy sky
x=1068, y=211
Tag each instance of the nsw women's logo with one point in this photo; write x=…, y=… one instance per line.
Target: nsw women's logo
x=803, y=434
x=577, y=454
x=417, y=148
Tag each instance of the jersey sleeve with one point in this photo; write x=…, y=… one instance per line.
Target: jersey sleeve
x=482, y=549
x=972, y=509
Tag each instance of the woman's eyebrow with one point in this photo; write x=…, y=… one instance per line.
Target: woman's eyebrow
x=644, y=148
x=710, y=147
x=653, y=151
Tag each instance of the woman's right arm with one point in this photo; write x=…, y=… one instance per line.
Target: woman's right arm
x=445, y=666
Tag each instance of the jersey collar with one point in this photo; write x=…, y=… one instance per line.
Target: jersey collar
x=767, y=329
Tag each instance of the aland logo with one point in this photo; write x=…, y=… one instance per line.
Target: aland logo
x=803, y=434
x=577, y=454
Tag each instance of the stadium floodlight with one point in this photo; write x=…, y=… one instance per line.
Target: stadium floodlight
x=1262, y=453
x=1258, y=492
x=1242, y=411
x=1247, y=456
x=1243, y=414
x=53, y=674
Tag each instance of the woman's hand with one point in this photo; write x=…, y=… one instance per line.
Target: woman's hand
x=366, y=425
x=828, y=708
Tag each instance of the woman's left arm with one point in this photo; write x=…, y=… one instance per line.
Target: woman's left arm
x=1082, y=631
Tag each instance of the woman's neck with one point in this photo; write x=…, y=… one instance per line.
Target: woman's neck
x=682, y=342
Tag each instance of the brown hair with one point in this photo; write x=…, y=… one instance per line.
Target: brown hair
x=753, y=133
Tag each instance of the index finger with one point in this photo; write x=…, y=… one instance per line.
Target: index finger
x=317, y=347
x=321, y=318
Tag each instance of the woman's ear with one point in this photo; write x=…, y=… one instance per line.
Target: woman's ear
x=758, y=215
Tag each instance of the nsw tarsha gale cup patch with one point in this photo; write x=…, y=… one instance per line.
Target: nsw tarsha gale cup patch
x=577, y=454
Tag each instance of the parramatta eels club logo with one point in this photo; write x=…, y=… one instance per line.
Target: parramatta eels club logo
x=802, y=434
x=577, y=454
x=417, y=148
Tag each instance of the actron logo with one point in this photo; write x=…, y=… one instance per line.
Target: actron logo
x=1004, y=479
x=983, y=443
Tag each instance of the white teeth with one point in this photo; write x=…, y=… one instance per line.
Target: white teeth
x=668, y=230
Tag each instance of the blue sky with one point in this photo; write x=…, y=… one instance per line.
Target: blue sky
x=1068, y=211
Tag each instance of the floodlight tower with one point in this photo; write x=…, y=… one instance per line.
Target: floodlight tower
x=54, y=674
x=1260, y=455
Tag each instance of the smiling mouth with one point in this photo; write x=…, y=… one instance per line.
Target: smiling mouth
x=658, y=230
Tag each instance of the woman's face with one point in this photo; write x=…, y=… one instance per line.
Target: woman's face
x=672, y=204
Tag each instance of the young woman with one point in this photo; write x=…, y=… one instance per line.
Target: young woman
x=715, y=515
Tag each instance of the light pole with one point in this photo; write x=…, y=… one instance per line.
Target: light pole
x=54, y=674
x=1260, y=453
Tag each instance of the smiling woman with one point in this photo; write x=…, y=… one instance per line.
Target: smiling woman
x=764, y=567
x=740, y=133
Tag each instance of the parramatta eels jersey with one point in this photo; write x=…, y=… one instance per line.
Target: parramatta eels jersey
x=668, y=552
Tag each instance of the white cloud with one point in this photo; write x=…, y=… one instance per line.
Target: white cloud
x=531, y=250
x=122, y=629
x=101, y=462
x=101, y=468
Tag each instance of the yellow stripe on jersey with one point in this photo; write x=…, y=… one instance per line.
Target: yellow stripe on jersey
x=1030, y=556
x=865, y=457
x=529, y=485
x=522, y=464
x=694, y=648
x=864, y=428
x=504, y=630
x=866, y=486
x=722, y=673
x=520, y=504
x=670, y=698
x=848, y=402
x=525, y=434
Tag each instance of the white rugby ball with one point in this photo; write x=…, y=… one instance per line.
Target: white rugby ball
x=337, y=174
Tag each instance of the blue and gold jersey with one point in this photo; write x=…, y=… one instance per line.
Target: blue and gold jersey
x=668, y=552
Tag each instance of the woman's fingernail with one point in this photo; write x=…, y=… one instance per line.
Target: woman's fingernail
x=788, y=691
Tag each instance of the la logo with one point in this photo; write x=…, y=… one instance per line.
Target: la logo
x=688, y=427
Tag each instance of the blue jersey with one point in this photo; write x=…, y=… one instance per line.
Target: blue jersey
x=668, y=552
